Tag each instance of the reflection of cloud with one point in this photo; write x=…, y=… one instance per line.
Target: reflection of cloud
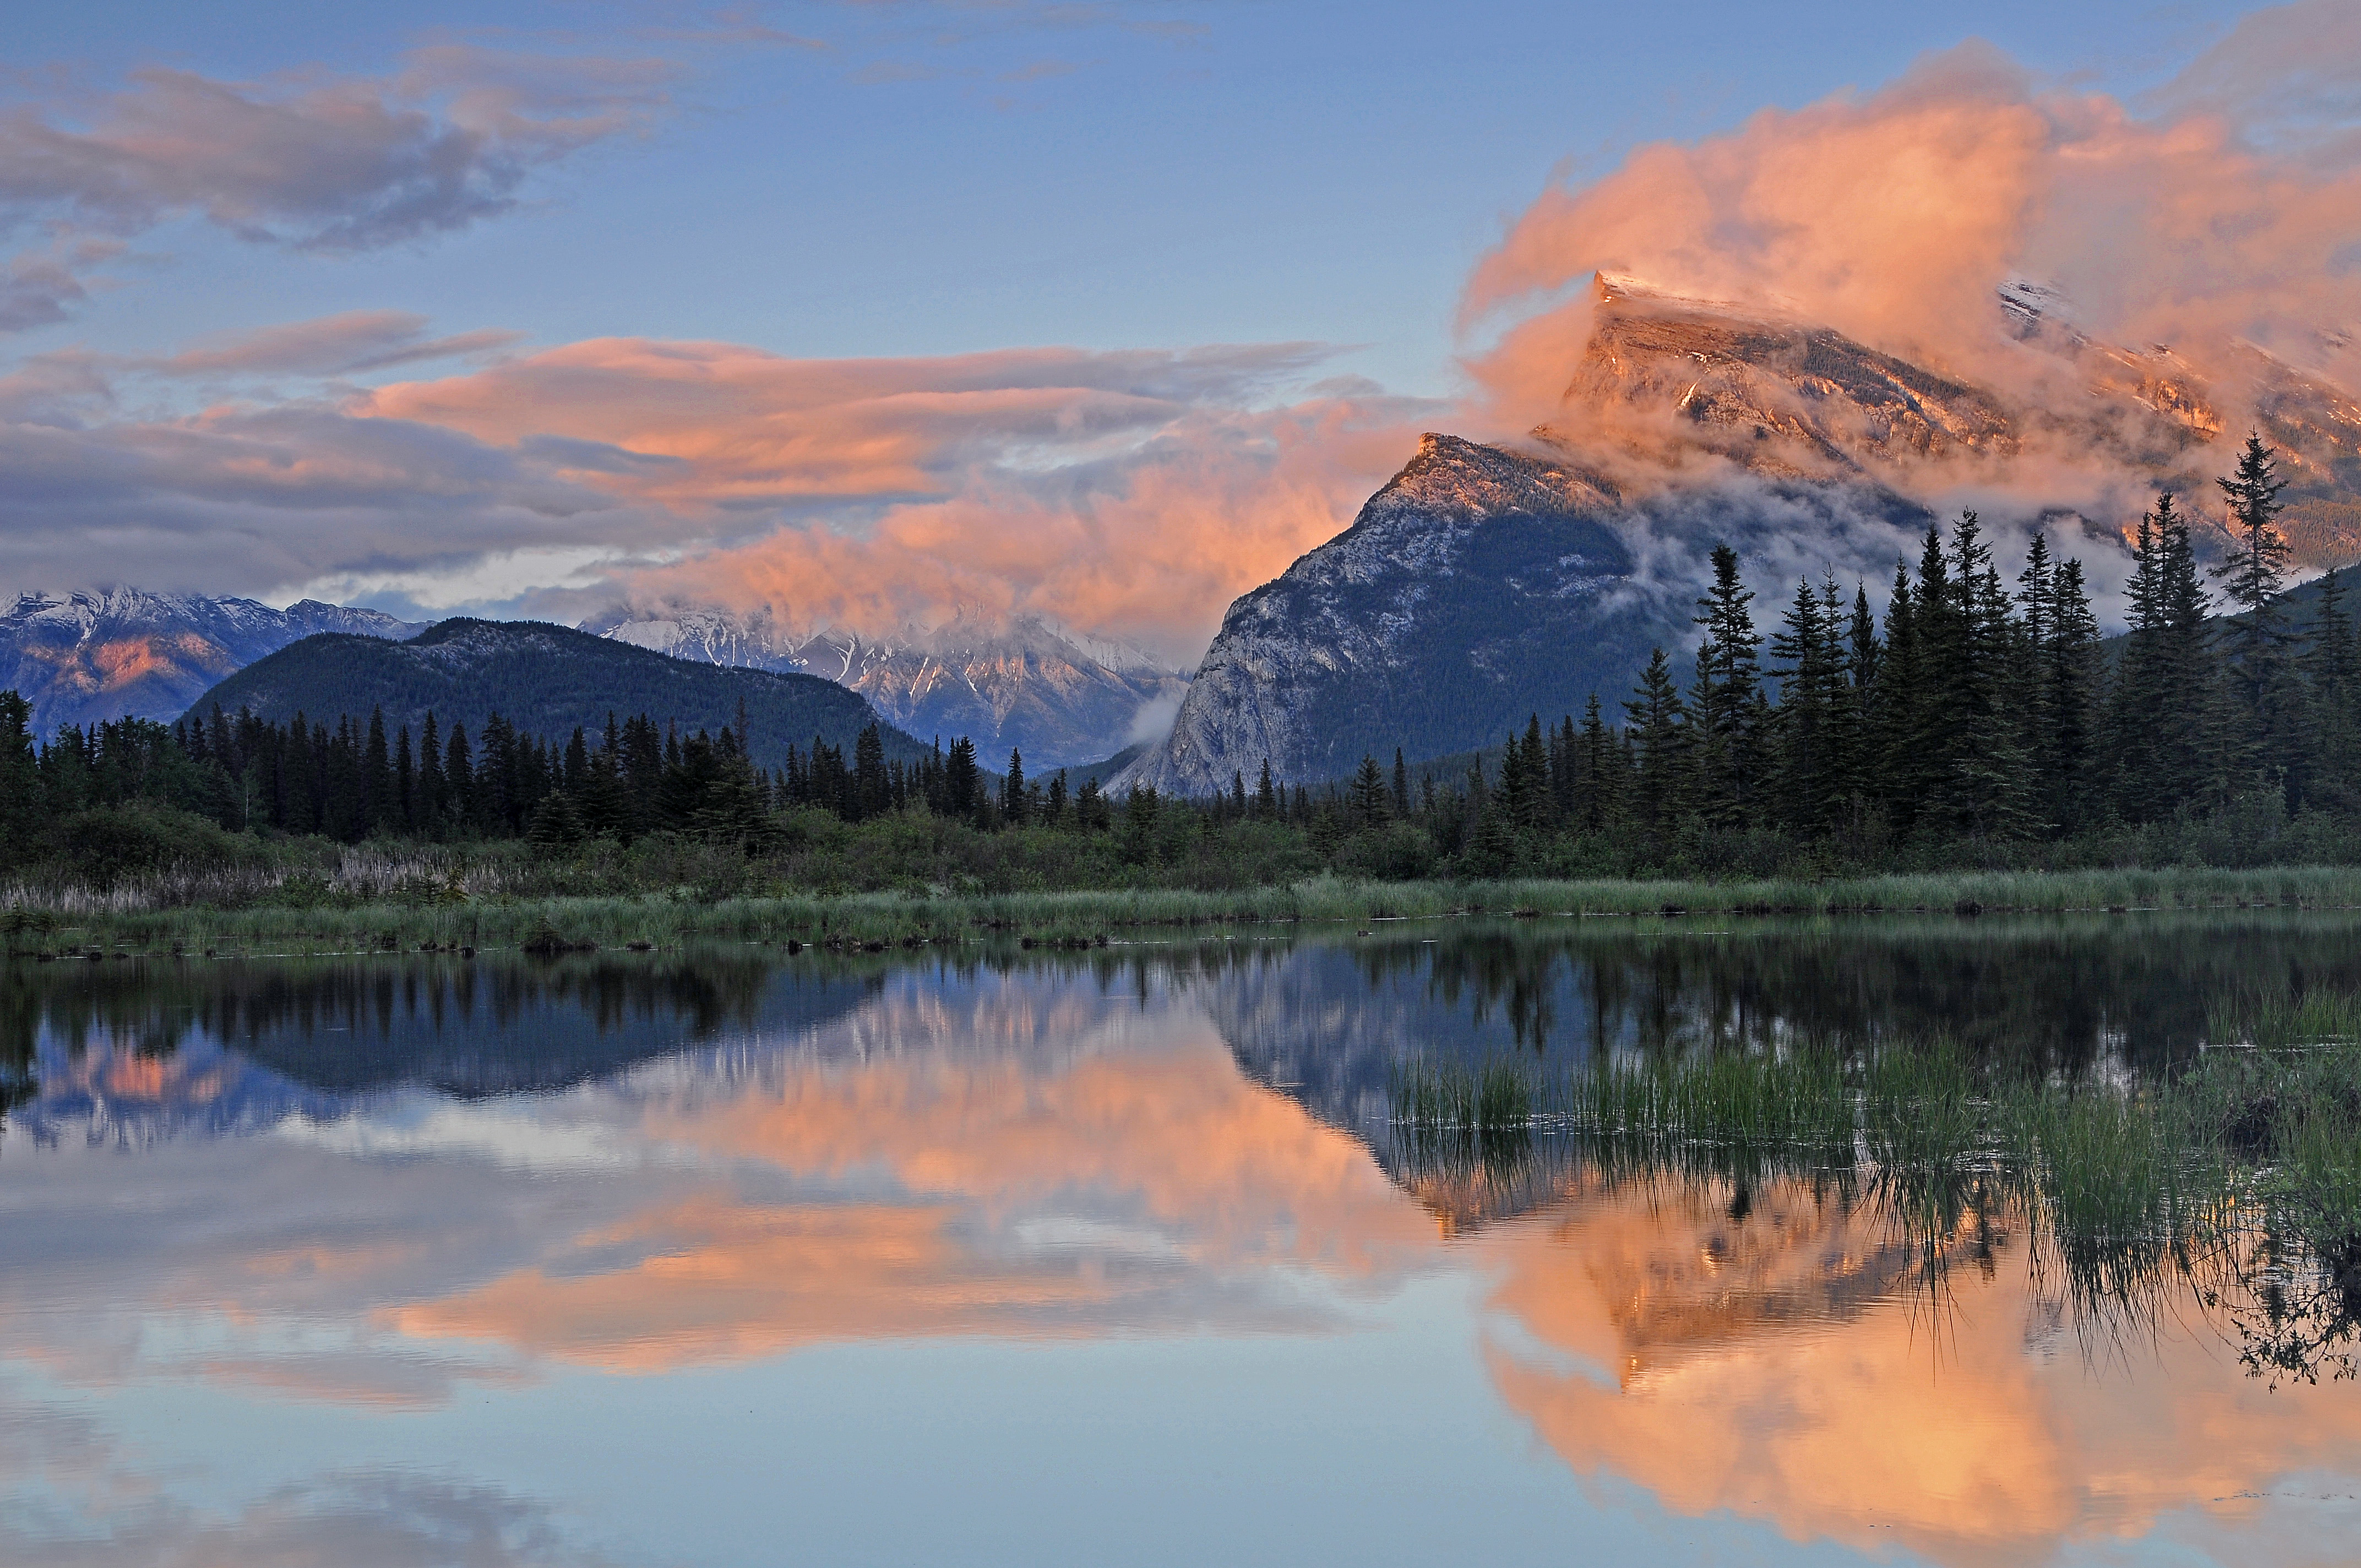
x=1725, y=1369
x=1128, y=1190
x=367, y=1520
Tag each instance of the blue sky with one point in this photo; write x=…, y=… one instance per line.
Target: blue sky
x=241, y=237
x=929, y=179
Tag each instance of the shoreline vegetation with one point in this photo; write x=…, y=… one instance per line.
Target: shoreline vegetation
x=2235, y=1180
x=380, y=902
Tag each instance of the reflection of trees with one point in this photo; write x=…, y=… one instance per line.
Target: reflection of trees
x=2054, y=992
x=481, y=1026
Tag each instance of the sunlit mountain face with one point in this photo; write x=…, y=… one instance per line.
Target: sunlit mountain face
x=1056, y=1232
x=89, y=657
x=1673, y=383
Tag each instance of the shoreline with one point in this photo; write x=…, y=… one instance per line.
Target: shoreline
x=875, y=921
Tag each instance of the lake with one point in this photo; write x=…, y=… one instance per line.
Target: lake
x=726, y=1256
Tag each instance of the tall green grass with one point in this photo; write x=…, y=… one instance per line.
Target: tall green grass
x=366, y=902
x=2241, y=1178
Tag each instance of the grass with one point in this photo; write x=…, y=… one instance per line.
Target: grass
x=2241, y=1178
x=374, y=901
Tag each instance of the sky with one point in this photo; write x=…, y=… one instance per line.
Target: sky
x=861, y=313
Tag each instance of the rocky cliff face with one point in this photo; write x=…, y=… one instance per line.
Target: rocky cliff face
x=1061, y=698
x=1482, y=585
x=99, y=655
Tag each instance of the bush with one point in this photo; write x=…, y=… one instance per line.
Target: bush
x=108, y=843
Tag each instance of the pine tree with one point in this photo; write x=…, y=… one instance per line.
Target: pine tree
x=1726, y=702
x=1012, y=795
x=2265, y=736
x=1367, y=795
x=1658, y=725
x=1267, y=805
x=2071, y=676
x=1402, y=784
x=2329, y=774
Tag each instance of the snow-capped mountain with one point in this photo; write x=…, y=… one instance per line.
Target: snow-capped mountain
x=105, y=653
x=1481, y=584
x=1486, y=583
x=1060, y=697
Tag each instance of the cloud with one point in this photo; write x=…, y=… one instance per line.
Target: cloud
x=1138, y=492
x=1132, y=491
x=1894, y=216
x=347, y=343
x=341, y=165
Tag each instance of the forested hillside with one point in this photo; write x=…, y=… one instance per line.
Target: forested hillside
x=547, y=680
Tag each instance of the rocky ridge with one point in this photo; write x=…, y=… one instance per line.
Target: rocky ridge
x=1062, y=698
x=101, y=654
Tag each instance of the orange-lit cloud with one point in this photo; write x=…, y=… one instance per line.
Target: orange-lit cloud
x=1130, y=492
x=1894, y=216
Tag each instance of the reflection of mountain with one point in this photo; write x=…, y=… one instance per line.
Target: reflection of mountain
x=1064, y=1157
x=232, y=1046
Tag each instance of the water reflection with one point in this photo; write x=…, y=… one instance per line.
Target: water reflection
x=413, y=1190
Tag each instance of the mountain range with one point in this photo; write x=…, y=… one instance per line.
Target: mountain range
x=98, y=655
x=1061, y=698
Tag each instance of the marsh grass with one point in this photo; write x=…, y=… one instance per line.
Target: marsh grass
x=442, y=894
x=2240, y=1179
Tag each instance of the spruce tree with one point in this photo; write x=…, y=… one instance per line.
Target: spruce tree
x=2329, y=773
x=1658, y=727
x=1599, y=774
x=1806, y=660
x=1369, y=795
x=2265, y=722
x=1900, y=774
x=1726, y=702
x=2071, y=676
x=1011, y=793
x=380, y=810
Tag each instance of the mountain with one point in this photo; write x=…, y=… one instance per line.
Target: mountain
x=1794, y=399
x=1487, y=581
x=93, y=656
x=1060, y=697
x=545, y=680
x=1481, y=584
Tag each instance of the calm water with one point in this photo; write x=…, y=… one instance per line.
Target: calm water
x=735, y=1258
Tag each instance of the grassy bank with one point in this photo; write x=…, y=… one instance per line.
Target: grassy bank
x=391, y=910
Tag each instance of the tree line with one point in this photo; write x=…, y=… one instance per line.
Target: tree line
x=1975, y=709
